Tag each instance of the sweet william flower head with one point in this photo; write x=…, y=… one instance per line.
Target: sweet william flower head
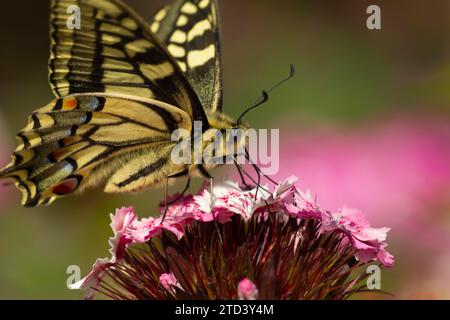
x=209, y=246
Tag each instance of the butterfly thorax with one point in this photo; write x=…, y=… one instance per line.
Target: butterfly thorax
x=223, y=141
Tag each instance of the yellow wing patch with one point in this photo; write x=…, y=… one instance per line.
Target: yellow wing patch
x=190, y=30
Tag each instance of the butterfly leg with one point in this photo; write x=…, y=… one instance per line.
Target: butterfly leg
x=216, y=223
x=257, y=169
x=255, y=182
x=239, y=170
x=206, y=174
x=186, y=187
x=211, y=184
x=166, y=195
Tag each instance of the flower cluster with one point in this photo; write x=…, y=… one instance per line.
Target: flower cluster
x=230, y=204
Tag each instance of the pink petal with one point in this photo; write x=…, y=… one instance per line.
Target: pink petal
x=247, y=290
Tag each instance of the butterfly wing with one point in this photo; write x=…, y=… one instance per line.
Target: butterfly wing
x=190, y=30
x=113, y=51
x=86, y=140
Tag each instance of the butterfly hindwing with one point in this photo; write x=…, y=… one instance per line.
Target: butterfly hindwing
x=85, y=140
x=113, y=51
x=190, y=30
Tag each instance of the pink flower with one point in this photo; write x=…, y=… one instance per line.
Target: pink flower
x=247, y=290
x=169, y=282
x=303, y=205
x=285, y=189
x=288, y=198
x=207, y=210
x=237, y=201
x=227, y=200
x=91, y=281
x=373, y=253
x=176, y=217
x=369, y=241
x=121, y=222
x=122, y=219
x=144, y=229
x=174, y=220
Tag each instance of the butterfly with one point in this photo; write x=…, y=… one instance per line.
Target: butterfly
x=122, y=87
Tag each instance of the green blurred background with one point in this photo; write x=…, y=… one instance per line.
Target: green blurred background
x=347, y=77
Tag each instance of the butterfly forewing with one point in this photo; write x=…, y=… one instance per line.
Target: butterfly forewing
x=113, y=51
x=190, y=30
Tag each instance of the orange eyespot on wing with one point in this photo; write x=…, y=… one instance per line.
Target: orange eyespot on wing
x=69, y=104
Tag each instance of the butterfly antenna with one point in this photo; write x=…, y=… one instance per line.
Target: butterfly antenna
x=265, y=94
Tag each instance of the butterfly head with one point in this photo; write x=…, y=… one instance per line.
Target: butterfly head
x=221, y=121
